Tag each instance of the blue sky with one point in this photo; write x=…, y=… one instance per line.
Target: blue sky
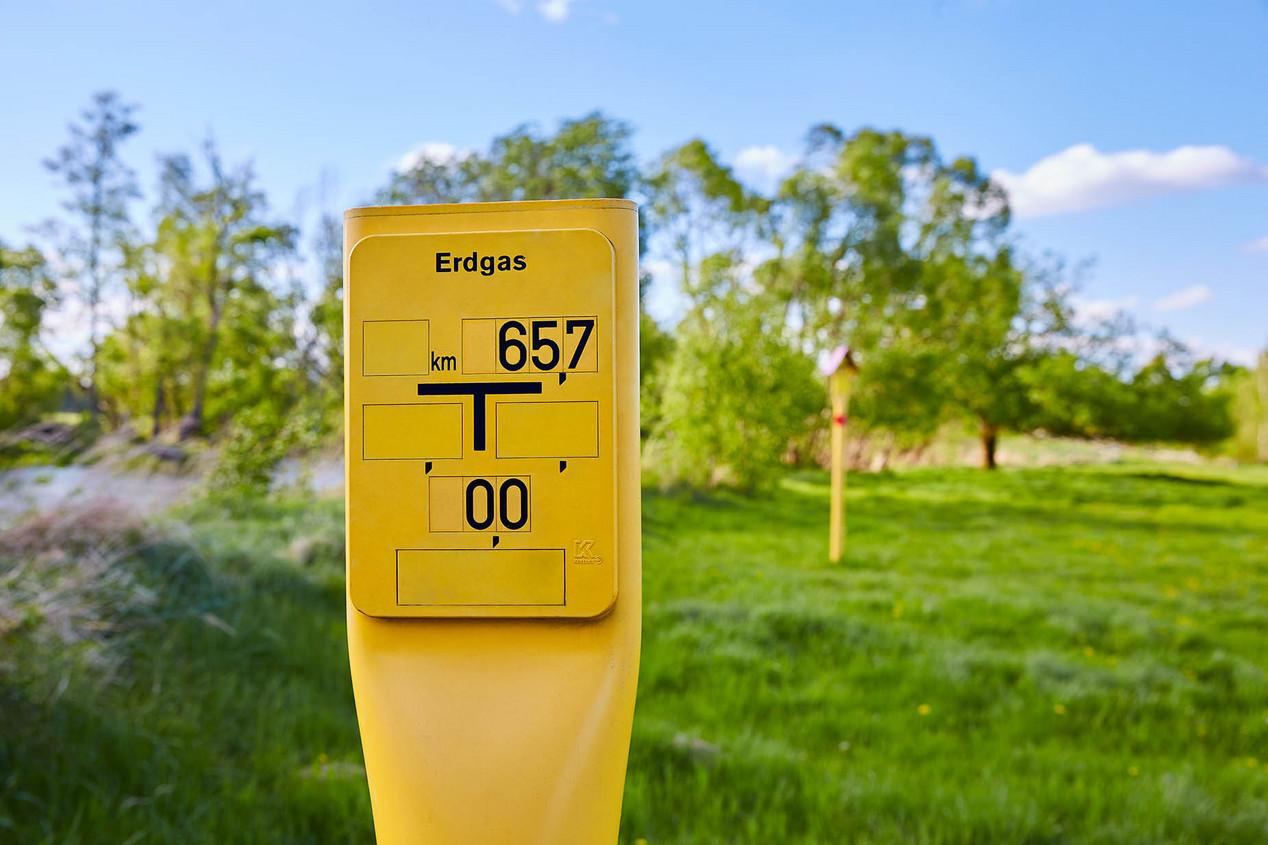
x=1135, y=133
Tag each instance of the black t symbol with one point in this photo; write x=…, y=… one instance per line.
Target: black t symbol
x=477, y=390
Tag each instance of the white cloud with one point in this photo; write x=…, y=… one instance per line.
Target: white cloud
x=1260, y=245
x=1243, y=355
x=1182, y=299
x=1095, y=310
x=1082, y=177
x=764, y=166
x=555, y=10
x=436, y=152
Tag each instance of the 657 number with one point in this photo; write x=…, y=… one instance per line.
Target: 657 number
x=518, y=342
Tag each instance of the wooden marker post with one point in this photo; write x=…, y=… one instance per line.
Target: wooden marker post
x=840, y=369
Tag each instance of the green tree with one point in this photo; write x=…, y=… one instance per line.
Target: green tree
x=881, y=246
x=30, y=378
x=1008, y=320
x=696, y=208
x=1176, y=399
x=736, y=390
x=218, y=249
x=1250, y=390
x=655, y=351
x=901, y=397
x=100, y=186
x=1074, y=397
x=141, y=360
x=586, y=157
x=1172, y=398
x=327, y=316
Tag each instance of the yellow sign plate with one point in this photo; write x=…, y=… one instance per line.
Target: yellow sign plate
x=481, y=391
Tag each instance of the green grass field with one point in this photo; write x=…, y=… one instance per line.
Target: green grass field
x=1074, y=655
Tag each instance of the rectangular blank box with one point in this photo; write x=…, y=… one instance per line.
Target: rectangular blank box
x=480, y=576
x=547, y=429
x=395, y=348
x=411, y=432
x=479, y=346
x=445, y=503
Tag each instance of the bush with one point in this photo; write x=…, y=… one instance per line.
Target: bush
x=735, y=393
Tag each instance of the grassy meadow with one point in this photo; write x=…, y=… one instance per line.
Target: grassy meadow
x=1055, y=655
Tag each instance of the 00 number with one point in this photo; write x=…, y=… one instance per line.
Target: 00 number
x=508, y=504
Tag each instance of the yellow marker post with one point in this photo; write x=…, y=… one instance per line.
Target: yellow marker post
x=494, y=572
x=840, y=369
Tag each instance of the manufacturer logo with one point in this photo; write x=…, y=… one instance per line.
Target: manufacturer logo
x=583, y=552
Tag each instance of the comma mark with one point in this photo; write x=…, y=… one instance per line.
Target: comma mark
x=426, y=467
x=495, y=540
x=563, y=465
x=562, y=376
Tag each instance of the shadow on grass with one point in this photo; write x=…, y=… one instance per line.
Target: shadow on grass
x=725, y=512
x=977, y=516
x=1173, y=478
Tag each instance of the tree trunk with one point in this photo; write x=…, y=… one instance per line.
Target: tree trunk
x=94, y=294
x=990, y=437
x=94, y=407
x=158, y=409
x=193, y=424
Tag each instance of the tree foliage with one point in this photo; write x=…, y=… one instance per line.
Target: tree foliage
x=586, y=157
x=219, y=248
x=875, y=241
x=100, y=184
x=1249, y=389
x=211, y=343
x=696, y=208
x=736, y=391
x=30, y=378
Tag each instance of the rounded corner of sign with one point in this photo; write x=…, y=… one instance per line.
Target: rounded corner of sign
x=362, y=604
x=602, y=608
x=352, y=250
x=603, y=235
